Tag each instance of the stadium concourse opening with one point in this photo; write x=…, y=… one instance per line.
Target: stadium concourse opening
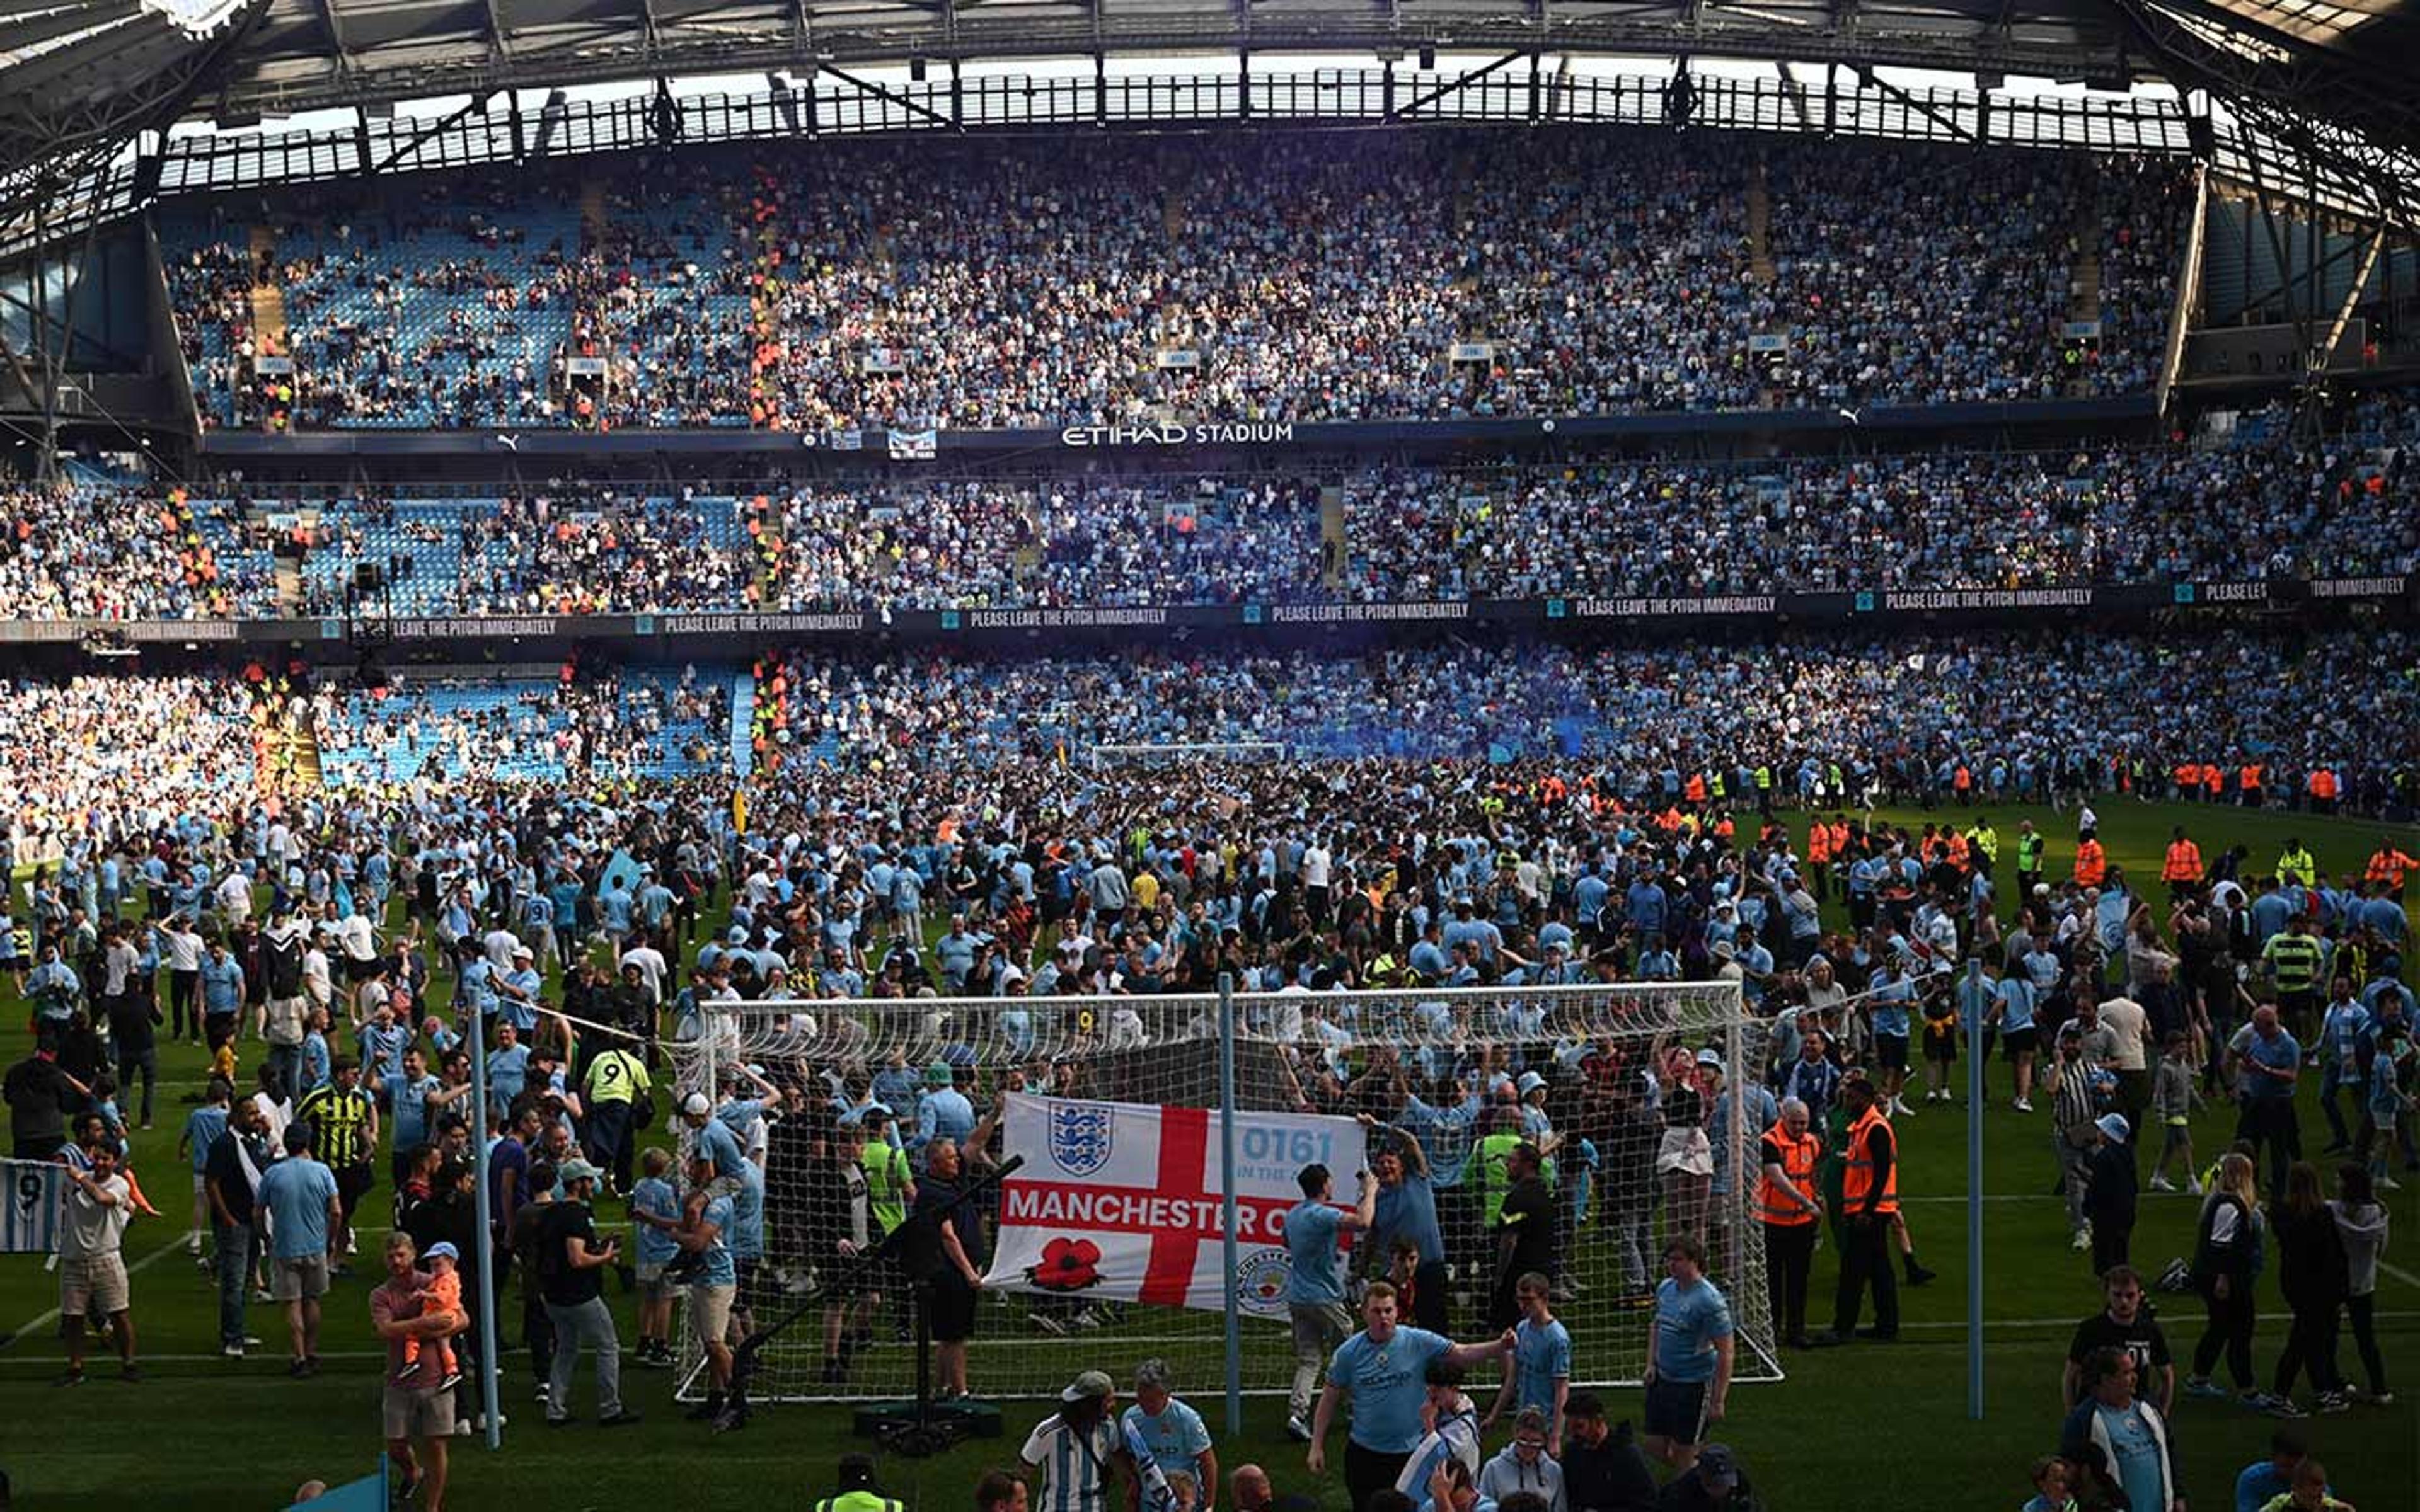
x=1577, y=771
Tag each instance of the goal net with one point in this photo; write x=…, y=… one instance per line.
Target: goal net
x=1608, y=1079
x=1188, y=754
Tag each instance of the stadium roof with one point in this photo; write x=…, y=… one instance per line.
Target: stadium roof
x=308, y=54
x=67, y=62
x=2322, y=90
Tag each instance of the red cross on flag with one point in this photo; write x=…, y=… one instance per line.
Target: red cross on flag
x=1122, y=1201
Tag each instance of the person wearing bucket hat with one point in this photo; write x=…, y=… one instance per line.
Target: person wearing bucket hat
x=1078, y=1447
x=943, y=1112
x=2109, y=1193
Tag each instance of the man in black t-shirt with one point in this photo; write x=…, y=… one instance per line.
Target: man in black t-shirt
x=1603, y=1469
x=942, y=1253
x=571, y=1264
x=2124, y=1324
x=1524, y=1233
x=232, y=1164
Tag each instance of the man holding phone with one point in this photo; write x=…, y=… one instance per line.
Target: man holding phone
x=570, y=1265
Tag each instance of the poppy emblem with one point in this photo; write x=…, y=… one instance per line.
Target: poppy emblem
x=1066, y=1265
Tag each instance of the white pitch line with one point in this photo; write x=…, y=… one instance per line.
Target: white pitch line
x=275, y=1356
x=1988, y=1197
x=144, y=1264
x=1990, y=1324
x=2402, y=1274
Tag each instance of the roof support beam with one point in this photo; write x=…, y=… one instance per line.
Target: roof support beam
x=428, y=130
x=336, y=34
x=2285, y=280
x=497, y=46
x=2326, y=352
x=1430, y=96
x=2258, y=31
x=1949, y=123
x=912, y=106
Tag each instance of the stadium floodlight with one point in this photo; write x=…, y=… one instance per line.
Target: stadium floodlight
x=197, y=17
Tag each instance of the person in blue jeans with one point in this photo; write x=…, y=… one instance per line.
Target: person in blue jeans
x=1315, y=1289
x=232, y=1161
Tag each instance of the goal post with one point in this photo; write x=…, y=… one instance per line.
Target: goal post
x=1606, y=1076
x=1181, y=753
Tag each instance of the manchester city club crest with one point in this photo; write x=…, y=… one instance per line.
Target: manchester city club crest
x=1261, y=1282
x=1081, y=1135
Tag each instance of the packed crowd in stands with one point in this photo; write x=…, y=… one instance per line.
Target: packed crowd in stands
x=571, y=552
x=2251, y=505
x=1953, y=521
x=114, y=552
x=1308, y=277
x=141, y=749
x=1961, y=313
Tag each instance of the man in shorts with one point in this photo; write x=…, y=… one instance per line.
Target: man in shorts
x=1689, y=1368
x=417, y=1412
x=92, y=1263
x=705, y=1230
x=655, y=1214
x=306, y=1223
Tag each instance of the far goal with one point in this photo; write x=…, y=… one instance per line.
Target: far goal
x=1201, y=754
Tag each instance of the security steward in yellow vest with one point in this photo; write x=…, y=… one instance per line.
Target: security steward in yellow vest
x=1983, y=846
x=1868, y=1198
x=2029, y=862
x=1791, y=1212
x=2296, y=866
x=856, y=1489
x=616, y=1078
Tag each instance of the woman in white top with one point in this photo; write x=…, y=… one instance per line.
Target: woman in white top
x=2361, y=1222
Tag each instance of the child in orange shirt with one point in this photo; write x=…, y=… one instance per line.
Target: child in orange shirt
x=441, y=1294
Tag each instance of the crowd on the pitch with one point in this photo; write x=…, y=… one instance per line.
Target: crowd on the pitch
x=1444, y=877
x=1994, y=717
x=1303, y=278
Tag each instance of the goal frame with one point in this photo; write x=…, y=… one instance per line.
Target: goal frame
x=699, y=1064
x=1260, y=751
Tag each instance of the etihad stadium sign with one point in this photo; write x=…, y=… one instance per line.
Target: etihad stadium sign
x=1226, y=433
